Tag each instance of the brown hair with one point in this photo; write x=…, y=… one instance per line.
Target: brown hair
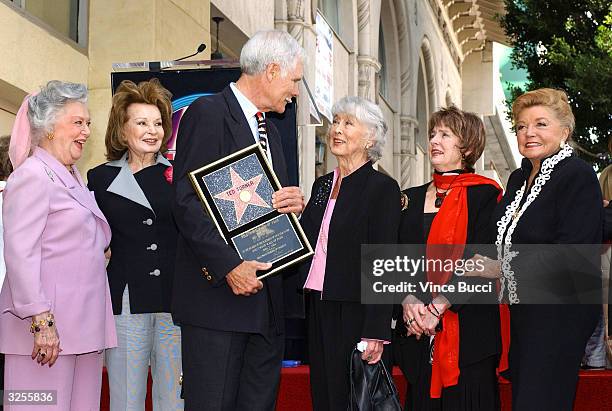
x=554, y=99
x=6, y=167
x=146, y=92
x=467, y=126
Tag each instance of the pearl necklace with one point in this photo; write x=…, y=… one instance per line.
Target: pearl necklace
x=511, y=218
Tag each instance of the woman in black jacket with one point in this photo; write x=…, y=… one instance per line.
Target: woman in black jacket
x=133, y=190
x=454, y=208
x=553, y=199
x=351, y=206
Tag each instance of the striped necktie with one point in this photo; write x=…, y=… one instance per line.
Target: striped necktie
x=262, y=130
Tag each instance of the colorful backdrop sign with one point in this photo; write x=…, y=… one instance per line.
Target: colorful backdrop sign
x=188, y=85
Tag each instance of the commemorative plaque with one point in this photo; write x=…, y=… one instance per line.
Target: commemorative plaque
x=237, y=194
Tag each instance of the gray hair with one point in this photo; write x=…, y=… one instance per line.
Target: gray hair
x=271, y=46
x=371, y=116
x=44, y=107
x=6, y=167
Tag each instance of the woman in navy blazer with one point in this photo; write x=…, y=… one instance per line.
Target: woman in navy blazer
x=134, y=191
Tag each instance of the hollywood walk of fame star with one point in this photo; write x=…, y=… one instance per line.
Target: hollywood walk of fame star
x=242, y=193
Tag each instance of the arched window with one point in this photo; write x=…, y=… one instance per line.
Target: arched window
x=422, y=107
x=388, y=78
x=449, y=98
x=383, y=80
x=426, y=92
x=425, y=106
x=331, y=12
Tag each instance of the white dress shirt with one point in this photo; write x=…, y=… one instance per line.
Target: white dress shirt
x=250, y=110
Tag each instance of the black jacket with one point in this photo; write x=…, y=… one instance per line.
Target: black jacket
x=214, y=127
x=568, y=210
x=482, y=200
x=143, y=244
x=366, y=212
x=479, y=327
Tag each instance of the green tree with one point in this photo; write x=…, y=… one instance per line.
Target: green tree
x=568, y=45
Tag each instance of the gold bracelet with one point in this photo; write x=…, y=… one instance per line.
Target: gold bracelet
x=36, y=326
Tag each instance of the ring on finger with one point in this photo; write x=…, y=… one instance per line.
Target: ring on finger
x=369, y=358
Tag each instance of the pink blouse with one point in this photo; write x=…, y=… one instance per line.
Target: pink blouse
x=316, y=275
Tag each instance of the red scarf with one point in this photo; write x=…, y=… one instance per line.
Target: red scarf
x=450, y=227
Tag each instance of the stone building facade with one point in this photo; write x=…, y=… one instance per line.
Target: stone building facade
x=409, y=56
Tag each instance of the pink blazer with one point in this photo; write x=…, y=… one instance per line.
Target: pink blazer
x=54, y=241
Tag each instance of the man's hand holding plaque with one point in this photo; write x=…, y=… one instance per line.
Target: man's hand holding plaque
x=243, y=279
x=254, y=214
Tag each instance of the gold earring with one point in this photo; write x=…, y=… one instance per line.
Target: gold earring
x=50, y=135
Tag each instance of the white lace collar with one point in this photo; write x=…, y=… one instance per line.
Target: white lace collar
x=507, y=224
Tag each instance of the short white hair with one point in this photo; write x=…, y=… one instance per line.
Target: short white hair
x=271, y=46
x=371, y=116
x=44, y=107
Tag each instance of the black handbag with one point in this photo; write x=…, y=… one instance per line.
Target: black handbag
x=372, y=388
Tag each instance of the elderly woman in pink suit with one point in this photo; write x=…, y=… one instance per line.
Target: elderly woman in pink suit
x=55, y=309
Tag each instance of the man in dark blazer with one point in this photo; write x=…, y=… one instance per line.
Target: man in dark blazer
x=232, y=323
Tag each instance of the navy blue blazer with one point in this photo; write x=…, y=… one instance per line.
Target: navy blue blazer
x=214, y=127
x=143, y=243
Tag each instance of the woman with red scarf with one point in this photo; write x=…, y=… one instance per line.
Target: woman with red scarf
x=449, y=352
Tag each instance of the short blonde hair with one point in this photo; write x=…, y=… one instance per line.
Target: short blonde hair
x=554, y=99
x=146, y=92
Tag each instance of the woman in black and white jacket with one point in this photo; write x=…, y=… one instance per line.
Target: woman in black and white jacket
x=553, y=199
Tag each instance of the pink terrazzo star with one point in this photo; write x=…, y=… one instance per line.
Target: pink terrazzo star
x=242, y=193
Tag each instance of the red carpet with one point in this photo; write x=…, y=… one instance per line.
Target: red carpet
x=594, y=391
